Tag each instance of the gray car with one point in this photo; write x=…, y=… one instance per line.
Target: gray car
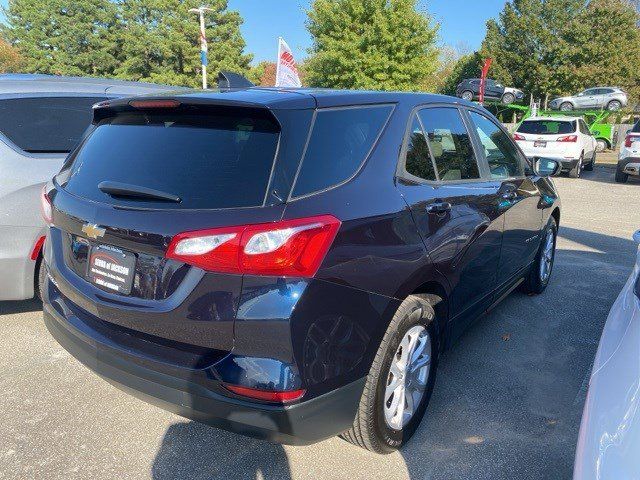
x=42, y=118
x=609, y=98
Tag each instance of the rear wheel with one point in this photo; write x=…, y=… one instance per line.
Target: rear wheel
x=566, y=107
x=589, y=166
x=508, y=98
x=400, y=382
x=538, y=278
x=621, y=177
x=467, y=95
x=614, y=105
x=601, y=145
x=577, y=170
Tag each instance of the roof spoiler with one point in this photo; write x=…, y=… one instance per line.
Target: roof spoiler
x=230, y=80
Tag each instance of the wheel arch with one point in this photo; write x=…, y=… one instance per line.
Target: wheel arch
x=438, y=297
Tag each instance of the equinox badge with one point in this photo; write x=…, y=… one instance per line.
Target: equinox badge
x=92, y=230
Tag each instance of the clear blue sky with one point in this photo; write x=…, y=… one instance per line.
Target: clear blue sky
x=461, y=22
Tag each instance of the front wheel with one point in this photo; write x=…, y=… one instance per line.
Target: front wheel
x=621, y=177
x=566, y=107
x=614, y=105
x=538, y=278
x=400, y=382
x=508, y=98
x=589, y=166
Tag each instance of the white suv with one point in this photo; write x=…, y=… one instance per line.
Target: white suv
x=565, y=139
x=629, y=158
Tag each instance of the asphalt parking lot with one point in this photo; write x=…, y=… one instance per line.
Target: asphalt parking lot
x=507, y=401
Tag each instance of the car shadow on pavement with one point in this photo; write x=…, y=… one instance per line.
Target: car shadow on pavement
x=606, y=175
x=196, y=451
x=23, y=306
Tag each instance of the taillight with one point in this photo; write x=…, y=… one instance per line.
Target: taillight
x=286, y=248
x=630, y=139
x=518, y=137
x=267, y=395
x=45, y=207
x=568, y=138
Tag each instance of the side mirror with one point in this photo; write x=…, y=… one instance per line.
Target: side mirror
x=636, y=237
x=545, y=167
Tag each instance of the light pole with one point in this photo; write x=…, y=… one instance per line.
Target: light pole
x=203, y=42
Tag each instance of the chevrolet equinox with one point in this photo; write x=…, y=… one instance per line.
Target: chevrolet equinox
x=290, y=264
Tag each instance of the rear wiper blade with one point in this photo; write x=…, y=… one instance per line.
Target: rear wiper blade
x=117, y=189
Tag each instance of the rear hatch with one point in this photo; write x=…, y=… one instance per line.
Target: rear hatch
x=632, y=141
x=546, y=138
x=145, y=174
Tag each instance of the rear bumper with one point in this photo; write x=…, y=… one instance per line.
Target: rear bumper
x=629, y=165
x=299, y=424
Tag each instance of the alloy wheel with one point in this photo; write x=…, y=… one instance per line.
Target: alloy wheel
x=408, y=377
x=546, y=259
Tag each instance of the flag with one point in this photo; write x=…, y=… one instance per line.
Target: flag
x=286, y=70
x=483, y=78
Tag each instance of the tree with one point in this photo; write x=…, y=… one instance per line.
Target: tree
x=371, y=44
x=552, y=47
x=62, y=37
x=609, y=47
x=263, y=74
x=159, y=41
x=10, y=58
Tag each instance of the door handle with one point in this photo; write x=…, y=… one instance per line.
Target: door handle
x=439, y=207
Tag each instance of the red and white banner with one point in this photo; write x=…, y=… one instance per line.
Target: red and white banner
x=286, y=69
x=483, y=78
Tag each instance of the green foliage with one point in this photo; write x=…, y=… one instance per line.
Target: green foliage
x=62, y=37
x=10, y=58
x=152, y=40
x=371, y=44
x=158, y=41
x=563, y=46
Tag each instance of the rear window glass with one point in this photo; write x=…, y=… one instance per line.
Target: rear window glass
x=547, y=127
x=636, y=127
x=46, y=125
x=214, y=160
x=340, y=141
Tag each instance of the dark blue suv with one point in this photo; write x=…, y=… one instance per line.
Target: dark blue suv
x=289, y=264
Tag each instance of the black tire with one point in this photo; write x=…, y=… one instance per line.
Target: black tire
x=566, y=107
x=577, y=170
x=467, y=95
x=508, y=98
x=533, y=283
x=621, y=177
x=40, y=277
x=614, y=105
x=370, y=430
x=589, y=166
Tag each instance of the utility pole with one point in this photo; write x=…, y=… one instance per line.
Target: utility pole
x=203, y=42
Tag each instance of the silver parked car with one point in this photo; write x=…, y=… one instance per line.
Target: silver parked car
x=42, y=117
x=610, y=98
x=609, y=439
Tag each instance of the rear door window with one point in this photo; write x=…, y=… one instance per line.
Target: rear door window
x=450, y=144
x=418, y=161
x=340, y=142
x=211, y=160
x=46, y=124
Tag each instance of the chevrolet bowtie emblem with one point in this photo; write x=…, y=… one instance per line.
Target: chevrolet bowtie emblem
x=92, y=230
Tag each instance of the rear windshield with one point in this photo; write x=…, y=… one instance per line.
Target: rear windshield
x=547, y=127
x=636, y=127
x=221, y=159
x=47, y=124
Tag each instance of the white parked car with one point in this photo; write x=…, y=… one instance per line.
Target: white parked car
x=609, y=439
x=629, y=158
x=565, y=139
